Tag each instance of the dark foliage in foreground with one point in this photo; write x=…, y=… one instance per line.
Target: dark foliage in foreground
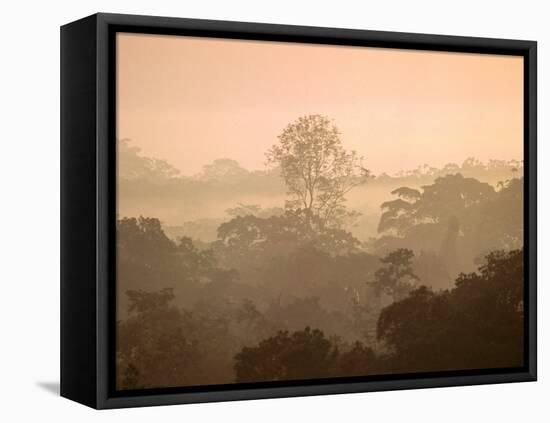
x=305, y=354
x=478, y=324
x=223, y=337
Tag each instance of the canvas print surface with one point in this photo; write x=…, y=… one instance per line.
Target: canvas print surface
x=293, y=211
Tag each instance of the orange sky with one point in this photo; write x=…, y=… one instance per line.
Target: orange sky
x=192, y=100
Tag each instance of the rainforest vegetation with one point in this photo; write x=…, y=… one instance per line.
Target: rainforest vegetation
x=314, y=267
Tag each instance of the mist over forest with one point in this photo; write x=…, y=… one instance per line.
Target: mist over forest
x=313, y=267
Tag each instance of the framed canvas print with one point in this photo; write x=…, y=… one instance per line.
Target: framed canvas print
x=255, y=211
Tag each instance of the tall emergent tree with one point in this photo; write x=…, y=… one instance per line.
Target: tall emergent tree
x=317, y=170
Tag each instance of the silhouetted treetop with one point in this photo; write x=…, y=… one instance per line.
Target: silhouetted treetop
x=133, y=166
x=223, y=170
x=291, y=230
x=447, y=196
x=316, y=168
x=304, y=354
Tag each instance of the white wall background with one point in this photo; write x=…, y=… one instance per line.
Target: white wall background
x=29, y=238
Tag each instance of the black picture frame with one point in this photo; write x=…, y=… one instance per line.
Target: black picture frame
x=88, y=209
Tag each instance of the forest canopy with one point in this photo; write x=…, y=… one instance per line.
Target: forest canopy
x=315, y=268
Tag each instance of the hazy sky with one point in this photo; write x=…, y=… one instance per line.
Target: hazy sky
x=192, y=100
